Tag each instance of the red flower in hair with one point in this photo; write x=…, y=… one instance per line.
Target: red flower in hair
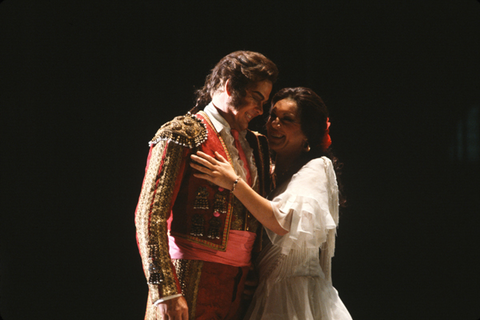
x=327, y=141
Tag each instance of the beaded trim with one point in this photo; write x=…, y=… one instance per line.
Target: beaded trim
x=234, y=185
x=187, y=131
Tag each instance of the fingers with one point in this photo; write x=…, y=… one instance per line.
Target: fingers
x=220, y=157
x=206, y=157
x=200, y=167
x=201, y=161
x=174, y=309
x=203, y=172
x=182, y=316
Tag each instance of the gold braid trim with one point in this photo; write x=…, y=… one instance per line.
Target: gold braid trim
x=187, y=131
x=151, y=218
x=189, y=272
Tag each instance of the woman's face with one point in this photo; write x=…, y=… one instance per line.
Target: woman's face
x=284, y=131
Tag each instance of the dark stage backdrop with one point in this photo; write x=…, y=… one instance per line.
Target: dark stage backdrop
x=84, y=85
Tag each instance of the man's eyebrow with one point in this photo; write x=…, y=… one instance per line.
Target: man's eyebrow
x=260, y=94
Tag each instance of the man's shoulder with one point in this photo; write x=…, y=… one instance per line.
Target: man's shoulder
x=256, y=136
x=256, y=133
x=186, y=130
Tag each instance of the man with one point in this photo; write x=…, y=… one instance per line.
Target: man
x=196, y=239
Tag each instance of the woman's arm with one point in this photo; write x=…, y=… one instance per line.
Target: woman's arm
x=220, y=172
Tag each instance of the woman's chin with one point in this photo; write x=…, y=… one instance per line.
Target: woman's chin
x=274, y=146
x=275, y=142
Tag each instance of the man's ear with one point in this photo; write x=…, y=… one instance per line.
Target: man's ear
x=228, y=87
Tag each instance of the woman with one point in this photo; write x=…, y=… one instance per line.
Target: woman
x=300, y=218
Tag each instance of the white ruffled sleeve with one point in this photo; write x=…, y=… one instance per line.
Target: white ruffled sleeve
x=307, y=207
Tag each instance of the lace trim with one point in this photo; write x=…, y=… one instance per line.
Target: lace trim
x=237, y=163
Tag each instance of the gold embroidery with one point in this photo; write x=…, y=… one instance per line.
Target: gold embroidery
x=154, y=268
x=228, y=202
x=187, y=131
x=263, y=185
x=189, y=272
x=214, y=228
x=205, y=116
x=198, y=222
x=220, y=203
x=238, y=219
x=151, y=218
x=201, y=199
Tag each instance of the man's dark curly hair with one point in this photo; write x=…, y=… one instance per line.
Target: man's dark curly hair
x=243, y=68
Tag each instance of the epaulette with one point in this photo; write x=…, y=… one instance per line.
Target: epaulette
x=187, y=131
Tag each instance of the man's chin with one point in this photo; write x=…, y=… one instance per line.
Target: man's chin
x=242, y=126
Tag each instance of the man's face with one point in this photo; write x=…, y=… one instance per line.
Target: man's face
x=251, y=105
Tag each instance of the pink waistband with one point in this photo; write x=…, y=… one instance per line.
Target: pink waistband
x=238, y=253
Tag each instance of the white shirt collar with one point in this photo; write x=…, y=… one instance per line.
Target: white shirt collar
x=219, y=122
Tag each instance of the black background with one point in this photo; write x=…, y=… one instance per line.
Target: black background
x=84, y=85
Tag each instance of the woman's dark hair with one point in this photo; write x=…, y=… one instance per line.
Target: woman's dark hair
x=313, y=120
x=313, y=116
x=243, y=68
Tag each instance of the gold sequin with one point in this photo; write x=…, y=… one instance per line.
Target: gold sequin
x=187, y=131
x=151, y=219
x=220, y=203
x=197, y=229
x=188, y=273
x=201, y=199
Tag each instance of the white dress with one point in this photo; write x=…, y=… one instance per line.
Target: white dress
x=295, y=282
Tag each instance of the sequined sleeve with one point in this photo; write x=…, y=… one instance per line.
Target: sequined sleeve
x=168, y=152
x=151, y=218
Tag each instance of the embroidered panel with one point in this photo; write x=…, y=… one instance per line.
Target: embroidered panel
x=188, y=273
x=187, y=131
x=151, y=219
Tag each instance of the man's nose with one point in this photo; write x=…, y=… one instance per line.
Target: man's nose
x=259, y=108
x=276, y=121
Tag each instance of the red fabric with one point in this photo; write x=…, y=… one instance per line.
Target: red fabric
x=238, y=253
x=180, y=221
x=241, y=153
x=220, y=291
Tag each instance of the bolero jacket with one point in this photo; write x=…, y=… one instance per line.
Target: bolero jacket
x=173, y=201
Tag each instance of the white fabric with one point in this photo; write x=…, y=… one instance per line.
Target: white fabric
x=293, y=284
x=223, y=128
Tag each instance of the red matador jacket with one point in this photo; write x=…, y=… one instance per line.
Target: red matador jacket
x=173, y=201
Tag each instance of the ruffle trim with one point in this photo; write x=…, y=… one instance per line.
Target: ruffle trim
x=310, y=221
x=238, y=163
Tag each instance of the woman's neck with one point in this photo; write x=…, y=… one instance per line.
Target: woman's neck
x=286, y=166
x=283, y=164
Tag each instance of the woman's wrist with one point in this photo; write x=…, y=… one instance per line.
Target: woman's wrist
x=234, y=184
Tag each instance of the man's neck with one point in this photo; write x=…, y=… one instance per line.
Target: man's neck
x=221, y=102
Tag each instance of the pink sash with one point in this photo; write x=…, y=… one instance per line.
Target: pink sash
x=238, y=253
